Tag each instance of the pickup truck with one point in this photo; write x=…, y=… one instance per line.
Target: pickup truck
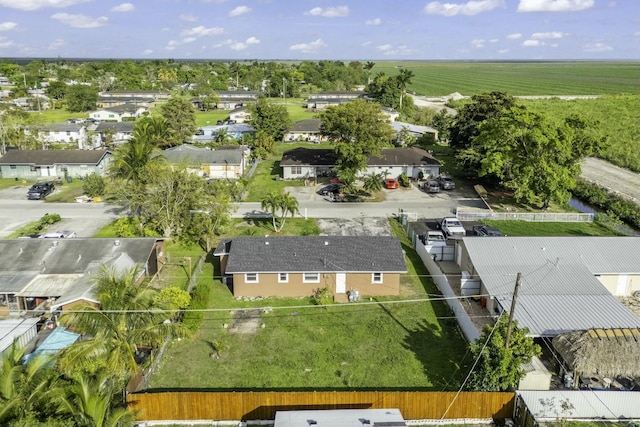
x=451, y=226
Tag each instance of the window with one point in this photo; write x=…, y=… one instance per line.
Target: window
x=296, y=170
x=283, y=277
x=376, y=277
x=311, y=278
x=251, y=278
x=13, y=167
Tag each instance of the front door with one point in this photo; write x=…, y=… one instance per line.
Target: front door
x=341, y=283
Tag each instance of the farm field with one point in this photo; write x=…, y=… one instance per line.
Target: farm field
x=519, y=78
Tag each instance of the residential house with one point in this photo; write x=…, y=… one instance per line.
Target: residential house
x=391, y=114
x=35, y=164
x=305, y=130
x=4, y=80
x=211, y=133
x=322, y=100
x=56, y=274
x=115, y=101
x=61, y=133
x=117, y=132
x=567, y=283
x=33, y=103
x=229, y=162
x=312, y=163
x=411, y=130
x=296, y=266
x=240, y=115
x=124, y=112
x=340, y=418
x=144, y=94
x=232, y=99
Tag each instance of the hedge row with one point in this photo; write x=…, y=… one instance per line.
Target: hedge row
x=194, y=316
x=606, y=201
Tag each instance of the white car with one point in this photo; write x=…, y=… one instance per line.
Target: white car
x=434, y=238
x=451, y=226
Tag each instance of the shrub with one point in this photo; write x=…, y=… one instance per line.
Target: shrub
x=193, y=317
x=39, y=226
x=322, y=296
x=612, y=204
x=403, y=179
x=94, y=185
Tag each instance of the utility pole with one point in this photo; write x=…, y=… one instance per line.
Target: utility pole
x=284, y=90
x=513, y=308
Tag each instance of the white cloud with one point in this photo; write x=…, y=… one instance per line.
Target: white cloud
x=376, y=21
x=596, y=47
x=123, y=7
x=385, y=47
x=329, y=12
x=172, y=45
x=56, y=44
x=238, y=46
x=252, y=40
x=79, y=20
x=477, y=43
x=5, y=42
x=309, y=47
x=366, y=43
x=532, y=43
x=472, y=7
x=637, y=34
x=201, y=31
x=6, y=26
x=389, y=49
x=514, y=36
x=39, y=4
x=240, y=10
x=493, y=41
x=189, y=40
x=554, y=5
x=549, y=35
x=503, y=51
x=188, y=17
x=147, y=52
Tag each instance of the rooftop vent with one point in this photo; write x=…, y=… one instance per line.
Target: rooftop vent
x=326, y=243
x=116, y=242
x=266, y=243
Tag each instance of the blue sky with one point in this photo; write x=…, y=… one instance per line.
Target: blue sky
x=322, y=29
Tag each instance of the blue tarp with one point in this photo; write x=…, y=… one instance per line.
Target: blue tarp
x=59, y=339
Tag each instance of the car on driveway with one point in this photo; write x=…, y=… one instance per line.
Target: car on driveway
x=446, y=182
x=329, y=189
x=451, y=226
x=486, y=231
x=391, y=183
x=431, y=187
x=40, y=190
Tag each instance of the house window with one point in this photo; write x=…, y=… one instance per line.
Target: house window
x=283, y=277
x=251, y=278
x=296, y=170
x=311, y=278
x=376, y=277
x=13, y=167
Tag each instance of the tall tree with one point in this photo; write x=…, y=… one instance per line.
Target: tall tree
x=404, y=80
x=272, y=119
x=130, y=158
x=499, y=368
x=279, y=206
x=181, y=121
x=368, y=66
x=357, y=129
x=81, y=98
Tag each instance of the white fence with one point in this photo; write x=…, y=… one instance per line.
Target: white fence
x=475, y=215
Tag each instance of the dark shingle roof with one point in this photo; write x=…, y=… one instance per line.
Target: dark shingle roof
x=403, y=156
x=309, y=125
x=308, y=156
x=316, y=254
x=196, y=155
x=124, y=108
x=126, y=126
x=52, y=157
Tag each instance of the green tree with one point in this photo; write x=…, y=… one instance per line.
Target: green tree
x=499, y=368
x=373, y=182
x=404, y=80
x=270, y=118
x=180, y=119
x=127, y=317
x=279, y=206
x=57, y=90
x=357, y=129
x=213, y=220
x=174, y=297
x=81, y=98
x=130, y=158
x=263, y=144
x=442, y=122
x=368, y=66
x=94, y=185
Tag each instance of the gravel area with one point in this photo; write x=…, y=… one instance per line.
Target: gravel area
x=619, y=180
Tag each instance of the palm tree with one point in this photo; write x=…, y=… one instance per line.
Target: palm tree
x=404, y=79
x=127, y=317
x=130, y=159
x=368, y=66
x=286, y=204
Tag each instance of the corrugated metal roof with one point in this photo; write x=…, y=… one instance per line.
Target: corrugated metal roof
x=13, y=281
x=49, y=285
x=340, y=418
x=597, y=404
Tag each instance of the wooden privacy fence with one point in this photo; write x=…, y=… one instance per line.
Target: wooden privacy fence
x=203, y=405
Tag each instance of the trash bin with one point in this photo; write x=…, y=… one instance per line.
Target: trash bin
x=277, y=177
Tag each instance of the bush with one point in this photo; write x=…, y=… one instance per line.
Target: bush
x=322, y=296
x=39, y=226
x=94, y=185
x=193, y=317
x=403, y=179
x=613, y=204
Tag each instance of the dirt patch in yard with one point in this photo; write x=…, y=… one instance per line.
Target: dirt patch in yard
x=355, y=227
x=246, y=322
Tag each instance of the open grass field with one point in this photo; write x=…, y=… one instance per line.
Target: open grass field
x=523, y=228
x=519, y=78
x=304, y=346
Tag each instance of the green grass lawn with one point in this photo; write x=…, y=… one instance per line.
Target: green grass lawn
x=67, y=192
x=524, y=228
x=303, y=346
x=12, y=182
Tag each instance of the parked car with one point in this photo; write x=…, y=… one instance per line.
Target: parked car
x=434, y=238
x=431, y=186
x=451, y=226
x=329, y=189
x=486, y=230
x=63, y=234
x=40, y=190
x=446, y=182
x=391, y=183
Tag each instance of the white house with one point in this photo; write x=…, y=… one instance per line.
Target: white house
x=223, y=163
x=305, y=130
x=61, y=133
x=119, y=113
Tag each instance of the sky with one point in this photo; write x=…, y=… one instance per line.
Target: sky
x=322, y=29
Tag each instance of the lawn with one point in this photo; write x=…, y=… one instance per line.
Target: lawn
x=524, y=228
x=67, y=192
x=12, y=182
x=399, y=345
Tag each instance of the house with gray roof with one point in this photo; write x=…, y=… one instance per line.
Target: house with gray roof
x=229, y=162
x=117, y=132
x=60, y=133
x=296, y=266
x=568, y=283
x=36, y=164
x=300, y=163
x=415, y=131
x=114, y=101
x=322, y=100
x=240, y=115
x=232, y=99
x=305, y=130
x=119, y=113
x=56, y=274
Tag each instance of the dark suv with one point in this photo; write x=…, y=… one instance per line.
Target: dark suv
x=40, y=190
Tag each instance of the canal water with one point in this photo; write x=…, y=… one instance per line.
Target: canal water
x=584, y=208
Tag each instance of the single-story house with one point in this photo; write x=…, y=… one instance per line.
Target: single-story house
x=118, y=131
x=33, y=103
x=61, y=133
x=232, y=99
x=240, y=115
x=34, y=164
x=312, y=163
x=391, y=114
x=144, y=94
x=296, y=266
x=209, y=133
x=414, y=131
x=119, y=113
x=56, y=274
x=305, y=130
x=115, y=101
x=229, y=162
x=322, y=100
x=567, y=283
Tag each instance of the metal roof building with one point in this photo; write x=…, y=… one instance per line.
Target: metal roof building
x=581, y=405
